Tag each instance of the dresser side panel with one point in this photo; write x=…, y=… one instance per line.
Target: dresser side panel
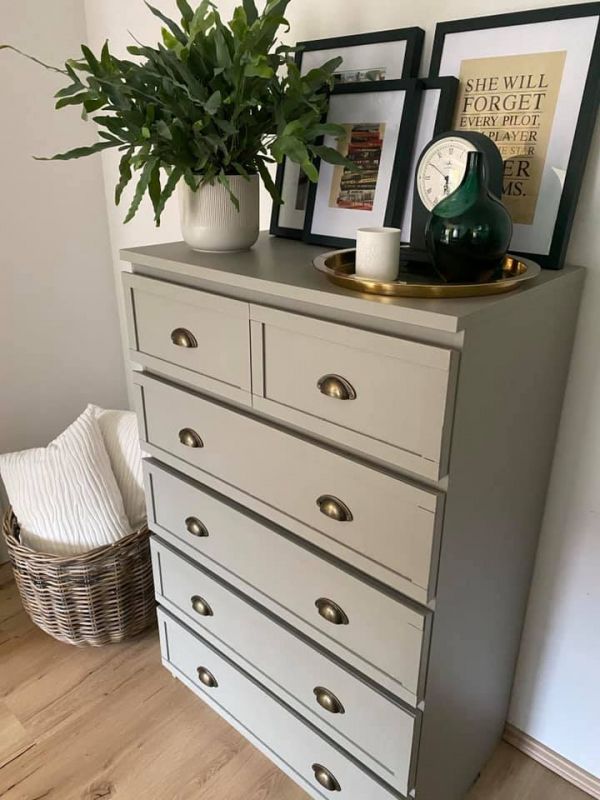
x=512, y=378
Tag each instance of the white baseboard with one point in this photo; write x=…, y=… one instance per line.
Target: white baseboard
x=553, y=761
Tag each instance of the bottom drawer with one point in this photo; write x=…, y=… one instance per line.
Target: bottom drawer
x=316, y=765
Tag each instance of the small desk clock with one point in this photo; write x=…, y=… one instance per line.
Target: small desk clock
x=439, y=172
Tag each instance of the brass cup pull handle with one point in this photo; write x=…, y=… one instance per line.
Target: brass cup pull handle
x=190, y=438
x=328, y=700
x=337, y=387
x=207, y=678
x=326, y=778
x=181, y=337
x=195, y=527
x=201, y=607
x=334, y=508
x=331, y=611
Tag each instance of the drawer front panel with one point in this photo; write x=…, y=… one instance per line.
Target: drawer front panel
x=383, y=637
x=384, y=395
x=373, y=729
x=206, y=335
x=277, y=729
x=389, y=525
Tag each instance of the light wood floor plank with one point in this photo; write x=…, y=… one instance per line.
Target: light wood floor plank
x=111, y=723
x=513, y=776
x=13, y=736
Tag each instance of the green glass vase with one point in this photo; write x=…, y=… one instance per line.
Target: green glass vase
x=469, y=231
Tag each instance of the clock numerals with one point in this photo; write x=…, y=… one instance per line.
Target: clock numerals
x=441, y=169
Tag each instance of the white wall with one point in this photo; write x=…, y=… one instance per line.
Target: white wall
x=556, y=697
x=59, y=331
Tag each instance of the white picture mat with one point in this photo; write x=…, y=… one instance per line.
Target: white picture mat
x=576, y=37
x=289, y=215
x=425, y=131
x=387, y=55
x=374, y=107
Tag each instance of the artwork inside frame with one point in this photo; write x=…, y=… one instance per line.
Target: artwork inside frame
x=363, y=147
x=531, y=82
x=368, y=58
x=380, y=120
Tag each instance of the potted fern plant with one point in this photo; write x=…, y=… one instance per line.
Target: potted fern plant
x=207, y=109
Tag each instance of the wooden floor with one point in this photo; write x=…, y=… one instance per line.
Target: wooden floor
x=89, y=724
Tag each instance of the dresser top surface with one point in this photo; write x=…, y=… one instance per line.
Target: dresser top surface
x=277, y=267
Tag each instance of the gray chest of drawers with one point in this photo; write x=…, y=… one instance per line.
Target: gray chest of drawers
x=345, y=495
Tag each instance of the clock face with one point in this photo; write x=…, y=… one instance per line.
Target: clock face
x=442, y=168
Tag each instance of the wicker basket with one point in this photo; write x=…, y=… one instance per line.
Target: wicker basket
x=95, y=598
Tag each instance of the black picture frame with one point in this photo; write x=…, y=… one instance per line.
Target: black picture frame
x=448, y=89
x=402, y=159
x=584, y=128
x=413, y=37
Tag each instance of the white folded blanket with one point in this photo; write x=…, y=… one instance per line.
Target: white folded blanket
x=122, y=441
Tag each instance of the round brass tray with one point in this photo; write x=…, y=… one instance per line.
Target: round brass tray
x=339, y=268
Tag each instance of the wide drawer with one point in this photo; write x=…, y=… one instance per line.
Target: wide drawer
x=202, y=339
x=379, y=635
x=373, y=729
x=378, y=523
x=275, y=729
x=388, y=397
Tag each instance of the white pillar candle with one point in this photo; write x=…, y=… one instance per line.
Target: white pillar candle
x=378, y=253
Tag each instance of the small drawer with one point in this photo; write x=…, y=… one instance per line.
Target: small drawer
x=387, y=397
x=378, y=523
x=371, y=630
x=376, y=731
x=315, y=763
x=199, y=338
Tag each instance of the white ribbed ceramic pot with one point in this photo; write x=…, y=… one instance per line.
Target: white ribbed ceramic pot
x=209, y=220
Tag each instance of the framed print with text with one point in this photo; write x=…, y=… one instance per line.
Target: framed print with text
x=368, y=57
x=380, y=120
x=531, y=82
